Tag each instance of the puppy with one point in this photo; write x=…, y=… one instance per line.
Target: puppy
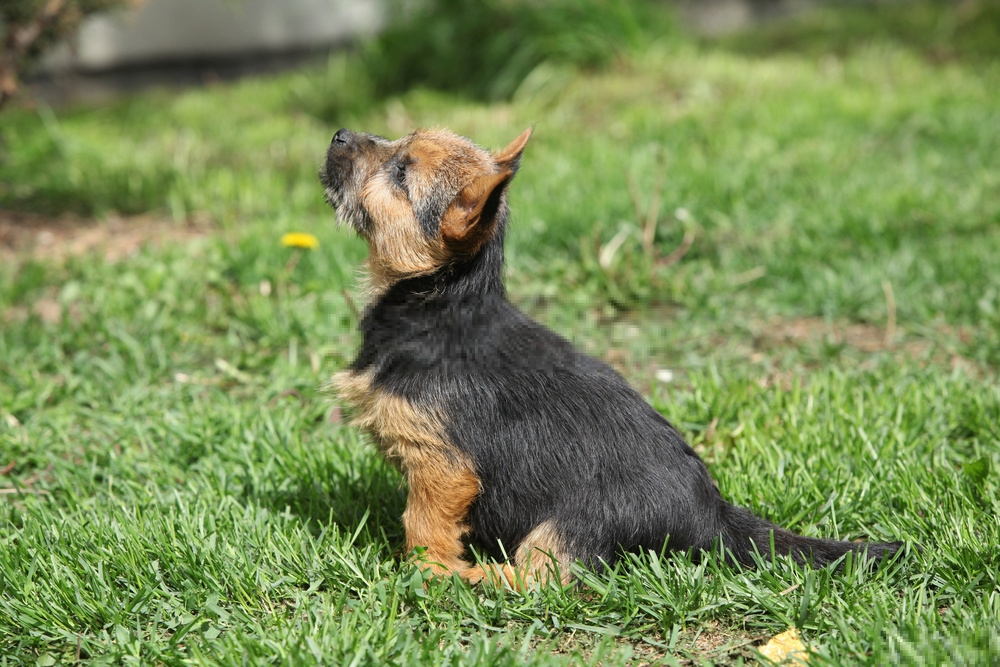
x=509, y=439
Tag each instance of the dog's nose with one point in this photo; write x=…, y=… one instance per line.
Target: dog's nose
x=343, y=136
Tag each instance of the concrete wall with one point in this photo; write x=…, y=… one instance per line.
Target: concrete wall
x=172, y=30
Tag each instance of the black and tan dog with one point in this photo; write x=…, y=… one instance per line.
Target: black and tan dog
x=509, y=439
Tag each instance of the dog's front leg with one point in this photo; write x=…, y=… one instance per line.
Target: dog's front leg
x=443, y=486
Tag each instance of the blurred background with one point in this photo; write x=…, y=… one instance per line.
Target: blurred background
x=106, y=46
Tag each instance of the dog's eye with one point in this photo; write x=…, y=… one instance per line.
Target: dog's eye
x=399, y=174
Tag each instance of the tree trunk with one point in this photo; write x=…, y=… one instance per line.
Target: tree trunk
x=17, y=44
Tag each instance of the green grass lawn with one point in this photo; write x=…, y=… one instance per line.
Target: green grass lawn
x=177, y=488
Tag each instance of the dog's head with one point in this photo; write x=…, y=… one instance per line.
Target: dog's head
x=422, y=202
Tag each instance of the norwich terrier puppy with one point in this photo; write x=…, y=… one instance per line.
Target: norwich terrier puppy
x=509, y=439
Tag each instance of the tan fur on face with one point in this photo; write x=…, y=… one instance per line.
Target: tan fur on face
x=439, y=164
x=398, y=246
x=445, y=173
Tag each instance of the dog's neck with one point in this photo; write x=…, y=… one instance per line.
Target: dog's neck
x=413, y=320
x=481, y=274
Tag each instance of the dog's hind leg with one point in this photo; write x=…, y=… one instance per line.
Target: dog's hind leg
x=543, y=555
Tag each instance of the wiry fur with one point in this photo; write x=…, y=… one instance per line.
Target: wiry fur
x=509, y=438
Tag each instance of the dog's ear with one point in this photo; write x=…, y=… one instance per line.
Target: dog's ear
x=468, y=222
x=470, y=218
x=510, y=157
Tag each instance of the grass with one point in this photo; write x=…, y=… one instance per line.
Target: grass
x=937, y=29
x=182, y=492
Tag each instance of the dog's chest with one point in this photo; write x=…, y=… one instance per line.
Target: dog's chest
x=400, y=429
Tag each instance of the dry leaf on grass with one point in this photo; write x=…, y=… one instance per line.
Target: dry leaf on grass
x=786, y=647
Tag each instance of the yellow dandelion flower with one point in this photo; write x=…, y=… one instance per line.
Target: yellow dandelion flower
x=299, y=240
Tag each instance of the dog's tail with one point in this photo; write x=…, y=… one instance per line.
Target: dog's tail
x=743, y=534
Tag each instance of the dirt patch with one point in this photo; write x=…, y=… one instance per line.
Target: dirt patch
x=28, y=236
x=47, y=308
x=867, y=338
x=864, y=337
x=708, y=642
x=935, y=345
x=784, y=347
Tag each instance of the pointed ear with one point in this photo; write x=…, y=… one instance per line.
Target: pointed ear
x=510, y=156
x=468, y=222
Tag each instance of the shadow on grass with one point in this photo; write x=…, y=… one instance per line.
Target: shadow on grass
x=359, y=493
